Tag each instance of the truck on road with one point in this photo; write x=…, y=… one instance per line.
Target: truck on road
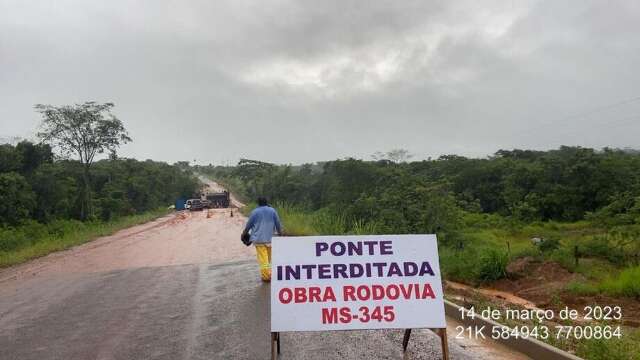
x=218, y=200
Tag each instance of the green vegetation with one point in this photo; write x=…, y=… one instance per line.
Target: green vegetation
x=37, y=187
x=493, y=265
x=41, y=206
x=627, y=283
x=582, y=288
x=83, y=130
x=48, y=202
x=582, y=206
x=568, y=184
x=33, y=239
x=623, y=283
x=573, y=207
x=625, y=348
x=300, y=221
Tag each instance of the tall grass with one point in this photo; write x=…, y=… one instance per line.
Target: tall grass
x=298, y=220
x=487, y=250
x=473, y=265
x=33, y=239
x=483, y=261
x=458, y=265
x=627, y=283
x=493, y=265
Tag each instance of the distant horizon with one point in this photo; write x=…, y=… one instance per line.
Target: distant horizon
x=415, y=158
x=295, y=82
x=14, y=140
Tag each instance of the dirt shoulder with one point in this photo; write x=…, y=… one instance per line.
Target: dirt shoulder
x=542, y=285
x=177, y=239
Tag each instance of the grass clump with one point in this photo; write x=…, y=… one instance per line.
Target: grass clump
x=625, y=348
x=582, y=288
x=626, y=283
x=493, y=265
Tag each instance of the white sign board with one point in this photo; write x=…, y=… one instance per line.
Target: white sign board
x=356, y=282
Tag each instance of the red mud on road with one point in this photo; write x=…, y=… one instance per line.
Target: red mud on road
x=126, y=296
x=177, y=239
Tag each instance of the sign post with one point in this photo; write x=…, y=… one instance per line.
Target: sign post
x=324, y=283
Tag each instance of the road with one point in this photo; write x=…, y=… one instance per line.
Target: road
x=180, y=287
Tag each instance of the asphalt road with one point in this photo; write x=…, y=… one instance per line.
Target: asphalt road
x=173, y=312
x=178, y=288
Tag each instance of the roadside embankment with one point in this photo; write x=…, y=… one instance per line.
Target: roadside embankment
x=33, y=239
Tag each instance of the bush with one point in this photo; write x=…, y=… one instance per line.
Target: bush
x=627, y=283
x=564, y=256
x=484, y=221
x=548, y=245
x=624, y=209
x=11, y=239
x=620, y=245
x=493, y=265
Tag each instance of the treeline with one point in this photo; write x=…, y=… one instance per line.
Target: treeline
x=567, y=184
x=34, y=186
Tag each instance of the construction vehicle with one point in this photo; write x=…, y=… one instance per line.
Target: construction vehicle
x=218, y=200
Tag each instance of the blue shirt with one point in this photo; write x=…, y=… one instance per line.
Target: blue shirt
x=262, y=222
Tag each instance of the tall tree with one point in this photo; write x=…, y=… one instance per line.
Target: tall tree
x=394, y=155
x=10, y=158
x=33, y=155
x=84, y=130
x=17, y=200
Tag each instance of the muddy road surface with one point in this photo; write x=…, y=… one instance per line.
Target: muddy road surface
x=180, y=287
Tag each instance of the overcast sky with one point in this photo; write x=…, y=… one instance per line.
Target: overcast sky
x=298, y=81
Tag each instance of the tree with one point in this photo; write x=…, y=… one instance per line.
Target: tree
x=84, y=130
x=396, y=155
x=253, y=173
x=10, y=158
x=56, y=192
x=17, y=200
x=33, y=155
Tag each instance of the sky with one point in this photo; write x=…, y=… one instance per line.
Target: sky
x=293, y=81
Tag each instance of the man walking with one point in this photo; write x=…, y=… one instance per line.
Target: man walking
x=262, y=222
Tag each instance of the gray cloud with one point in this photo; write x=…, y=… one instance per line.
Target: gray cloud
x=294, y=81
